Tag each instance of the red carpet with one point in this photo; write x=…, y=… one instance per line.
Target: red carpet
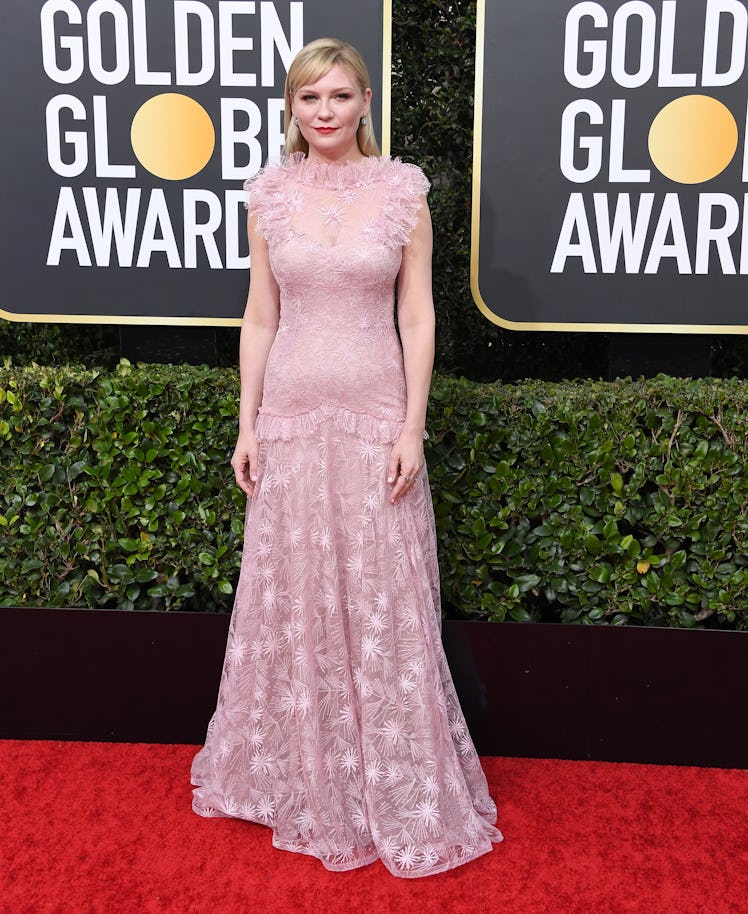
x=106, y=827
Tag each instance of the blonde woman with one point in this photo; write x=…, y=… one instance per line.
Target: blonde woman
x=337, y=722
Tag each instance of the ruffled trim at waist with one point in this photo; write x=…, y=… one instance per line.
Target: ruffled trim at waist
x=379, y=430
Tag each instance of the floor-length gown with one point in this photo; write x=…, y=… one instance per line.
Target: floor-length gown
x=337, y=721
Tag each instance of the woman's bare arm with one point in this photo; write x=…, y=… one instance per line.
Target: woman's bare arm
x=416, y=322
x=259, y=326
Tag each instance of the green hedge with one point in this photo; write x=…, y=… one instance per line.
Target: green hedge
x=576, y=502
x=117, y=490
x=615, y=503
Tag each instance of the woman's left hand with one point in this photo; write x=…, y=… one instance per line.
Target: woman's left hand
x=406, y=462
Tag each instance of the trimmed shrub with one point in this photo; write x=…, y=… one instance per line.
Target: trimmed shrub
x=618, y=502
x=59, y=344
x=621, y=503
x=117, y=487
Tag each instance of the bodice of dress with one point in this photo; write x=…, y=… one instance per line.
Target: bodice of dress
x=335, y=234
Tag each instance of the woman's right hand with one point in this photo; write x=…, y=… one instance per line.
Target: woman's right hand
x=244, y=462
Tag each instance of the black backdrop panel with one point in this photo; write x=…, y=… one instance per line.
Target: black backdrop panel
x=87, y=88
x=607, y=224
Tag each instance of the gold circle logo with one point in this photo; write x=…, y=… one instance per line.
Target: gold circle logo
x=693, y=139
x=172, y=136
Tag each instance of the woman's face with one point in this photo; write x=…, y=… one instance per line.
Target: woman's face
x=329, y=112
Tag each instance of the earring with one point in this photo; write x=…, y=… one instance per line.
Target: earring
x=364, y=121
x=295, y=121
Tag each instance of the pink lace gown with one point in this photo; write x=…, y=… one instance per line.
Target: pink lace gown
x=337, y=721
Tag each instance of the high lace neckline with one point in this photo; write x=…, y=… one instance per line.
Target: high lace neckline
x=334, y=174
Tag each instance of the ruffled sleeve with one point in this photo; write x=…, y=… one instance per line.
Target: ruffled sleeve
x=266, y=193
x=408, y=187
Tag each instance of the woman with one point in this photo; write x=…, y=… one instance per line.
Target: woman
x=337, y=721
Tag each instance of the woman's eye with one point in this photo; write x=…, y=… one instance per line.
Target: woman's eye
x=308, y=97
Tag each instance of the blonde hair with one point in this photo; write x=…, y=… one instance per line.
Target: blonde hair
x=312, y=62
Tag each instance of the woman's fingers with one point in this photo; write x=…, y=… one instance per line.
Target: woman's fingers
x=240, y=474
x=252, y=471
x=403, y=483
x=244, y=464
x=406, y=460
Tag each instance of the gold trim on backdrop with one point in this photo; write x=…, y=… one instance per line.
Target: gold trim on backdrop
x=226, y=321
x=386, y=76
x=480, y=39
x=121, y=319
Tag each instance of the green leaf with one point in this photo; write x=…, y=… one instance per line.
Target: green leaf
x=520, y=614
x=602, y=573
x=129, y=544
x=526, y=582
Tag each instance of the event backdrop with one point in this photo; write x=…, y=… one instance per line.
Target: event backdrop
x=611, y=167
x=130, y=126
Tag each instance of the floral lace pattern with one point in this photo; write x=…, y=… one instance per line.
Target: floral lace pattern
x=337, y=721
